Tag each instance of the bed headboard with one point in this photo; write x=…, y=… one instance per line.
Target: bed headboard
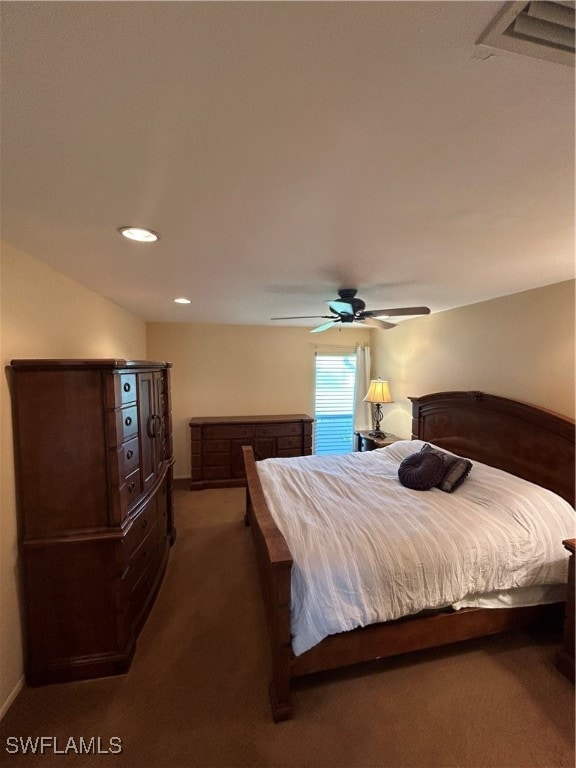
x=531, y=443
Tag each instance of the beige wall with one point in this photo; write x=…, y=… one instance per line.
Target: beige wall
x=237, y=370
x=519, y=346
x=43, y=314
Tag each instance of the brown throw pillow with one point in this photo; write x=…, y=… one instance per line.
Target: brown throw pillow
x=456, y=469
x=421, y=471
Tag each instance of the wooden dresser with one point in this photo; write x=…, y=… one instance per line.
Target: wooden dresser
x=216, y=443
x=93, y=448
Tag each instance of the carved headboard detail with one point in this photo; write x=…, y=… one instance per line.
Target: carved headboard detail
x=526, y=441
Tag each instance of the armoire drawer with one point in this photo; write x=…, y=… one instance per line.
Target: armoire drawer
x=141, y=526
x=146, y=553
x=121, y=389
x=140, y=593
x=127, y=461
x=122, y=425
x=128, y=494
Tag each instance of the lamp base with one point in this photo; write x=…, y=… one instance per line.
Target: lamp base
x=377, y=433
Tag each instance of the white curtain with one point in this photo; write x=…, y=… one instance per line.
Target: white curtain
x=362, y=410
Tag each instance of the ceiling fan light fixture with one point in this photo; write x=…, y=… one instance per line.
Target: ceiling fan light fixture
x=349, y=310
x=139, y=234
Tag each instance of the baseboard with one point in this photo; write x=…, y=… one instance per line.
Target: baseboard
x=8, y=703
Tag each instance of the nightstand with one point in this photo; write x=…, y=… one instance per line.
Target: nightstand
x=363, y=441
x=565, y=657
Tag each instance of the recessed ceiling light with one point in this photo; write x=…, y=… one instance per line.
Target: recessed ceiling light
x=139, y=234
x=182, y=301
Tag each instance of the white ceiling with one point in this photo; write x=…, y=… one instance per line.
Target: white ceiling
x=283, y=150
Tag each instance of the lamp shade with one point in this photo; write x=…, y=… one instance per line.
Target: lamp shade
x=378, y=392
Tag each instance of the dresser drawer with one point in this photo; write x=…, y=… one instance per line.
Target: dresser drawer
x=128, y=459
x=131, y=490
x=216, y=460
x=141, y=526
x=140, y=592
x=215, y=446
x=128, y=494
x=121, y=389
x=278, y=430
x=287, y=443
x=122, y=425
x=227, y=430
x=146, y=553
x=289, y=452
x=216, y=473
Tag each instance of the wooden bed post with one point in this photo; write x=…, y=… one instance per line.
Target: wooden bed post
x=275, y=566
x=280, y=641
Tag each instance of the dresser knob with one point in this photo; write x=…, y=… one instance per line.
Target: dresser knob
x=131, y=487
x=129, y=454
x=145, y=552
x=128, y=421
x=144, y=523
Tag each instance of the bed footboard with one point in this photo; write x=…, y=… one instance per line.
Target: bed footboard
x=274, y=565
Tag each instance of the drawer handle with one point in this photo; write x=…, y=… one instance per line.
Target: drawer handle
x=127, y=387
x=145, y=552
x=128, y=421
x=144, y=524
x=264, y=431
x=131, y=487
x=129, y=454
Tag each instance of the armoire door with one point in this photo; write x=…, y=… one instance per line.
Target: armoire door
x=148, y=428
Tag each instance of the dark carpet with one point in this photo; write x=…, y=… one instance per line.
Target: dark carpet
x=196, y=694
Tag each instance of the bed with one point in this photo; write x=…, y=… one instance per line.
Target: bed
x=498, y=435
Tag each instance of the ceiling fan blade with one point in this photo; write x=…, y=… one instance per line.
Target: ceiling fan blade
x=375, y=323
x=341, y=307
x=323, y=327
x=300, y=317
x=397, y=312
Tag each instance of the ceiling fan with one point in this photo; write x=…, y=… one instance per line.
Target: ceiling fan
x=348, y=309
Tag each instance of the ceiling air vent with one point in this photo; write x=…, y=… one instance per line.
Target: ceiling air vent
x=543, y=30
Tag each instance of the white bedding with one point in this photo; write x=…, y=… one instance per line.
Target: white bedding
x=366, y=549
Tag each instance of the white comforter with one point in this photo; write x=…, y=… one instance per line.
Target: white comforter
x=367, y=549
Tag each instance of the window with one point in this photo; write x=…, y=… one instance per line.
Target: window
x=334, y=408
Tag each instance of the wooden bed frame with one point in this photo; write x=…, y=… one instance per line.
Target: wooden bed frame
x=526, y=441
